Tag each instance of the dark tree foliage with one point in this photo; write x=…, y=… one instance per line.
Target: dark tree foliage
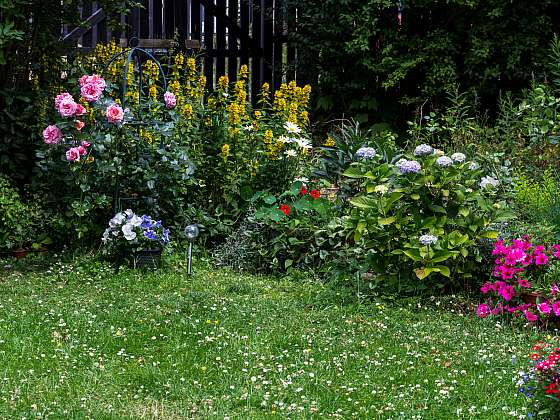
x=363, y=63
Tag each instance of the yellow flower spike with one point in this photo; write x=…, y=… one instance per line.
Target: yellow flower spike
x=187, y=111
x=243, y=72
x=329, y=142
x=305, y=116
x=152, y=93
x=268, y=136
x=223, y=83
x=225, y=152
x=258, y=114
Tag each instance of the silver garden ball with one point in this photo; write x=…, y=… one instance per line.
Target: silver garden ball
x=191, y=232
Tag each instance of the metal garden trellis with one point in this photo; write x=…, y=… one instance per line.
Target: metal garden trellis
x=135, y=56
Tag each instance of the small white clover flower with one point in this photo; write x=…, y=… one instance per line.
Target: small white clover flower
x=444, y=161
x=458, y=157
x=423, y=150
x=366, y=152
x=427, y=239
x=473, y=166
x=489, y=181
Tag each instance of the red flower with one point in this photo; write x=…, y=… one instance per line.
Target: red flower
x=315, y=194
x=284, y=208
x=303, y=190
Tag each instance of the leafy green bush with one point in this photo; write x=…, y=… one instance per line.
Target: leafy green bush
x=421, y=217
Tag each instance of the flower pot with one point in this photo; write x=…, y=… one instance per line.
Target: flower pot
x=147, y=258
x=20, y=253
x=533, y=297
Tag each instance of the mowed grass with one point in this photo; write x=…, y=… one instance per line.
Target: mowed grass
x=81, y=342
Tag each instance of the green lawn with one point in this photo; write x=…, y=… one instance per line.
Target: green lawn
x=77, y=343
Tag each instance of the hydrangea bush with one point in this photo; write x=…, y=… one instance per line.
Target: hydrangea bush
x=422, y=215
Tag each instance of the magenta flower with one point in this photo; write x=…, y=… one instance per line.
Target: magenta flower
x=483, y=310
x=73, y=154
x=556, y=308
x=524, y=283
x=531, y=317
x=541, y=259
x=544, y=308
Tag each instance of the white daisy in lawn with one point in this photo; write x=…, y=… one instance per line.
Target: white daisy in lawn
x=303, y=143
x=292, y=128
x=290, y=153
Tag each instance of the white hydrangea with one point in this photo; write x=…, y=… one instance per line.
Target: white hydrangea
x=458, y=157
x=427, y=239
x=444, y=161
x=489, y=181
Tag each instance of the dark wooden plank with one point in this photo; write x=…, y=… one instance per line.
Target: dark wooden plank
x=94, y=32
x=145, y=20
x=279, y=24
x=180, y=20
x=220, y=38
x=194, y=29
x=77, y=32
x=244, y=25
x=86, y=12
x=208, y=46
x=291, y=51
x=268, y=41
x=233, y=12
x=157, y=20
x=257, y=59
x=133, y=29
x=169, y=19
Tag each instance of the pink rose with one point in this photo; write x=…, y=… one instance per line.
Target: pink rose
x=94, y=79
x=85, y=144
x=52, y=134
x=60, y=98
x=80, y=110
x=170, y=100
x=79, y=125
x=67, y=108
x=114, y=114
x=73, y=154
x=91, y=92
x=82, y=150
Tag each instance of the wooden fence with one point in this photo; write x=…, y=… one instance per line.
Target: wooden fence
x=224, y=33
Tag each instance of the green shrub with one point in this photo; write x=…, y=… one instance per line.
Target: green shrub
x=418, y=220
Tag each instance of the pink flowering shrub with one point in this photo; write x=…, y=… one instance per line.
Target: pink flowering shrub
x=517, y=266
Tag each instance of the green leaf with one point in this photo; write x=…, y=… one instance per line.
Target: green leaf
x=490, y=234
x=364, y=202
x=442, y=256
x=384, y=221
x=353, y=172
x=463, y=211
x=423, y=272
x=414, y=255
x=443, y=270
x=269, y=199
x=437, y=209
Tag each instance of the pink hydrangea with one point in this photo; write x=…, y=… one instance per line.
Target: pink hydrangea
x=73, y=154
x=67, y=107
x=52, y=134
x=170, y=100
x=114, y=113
